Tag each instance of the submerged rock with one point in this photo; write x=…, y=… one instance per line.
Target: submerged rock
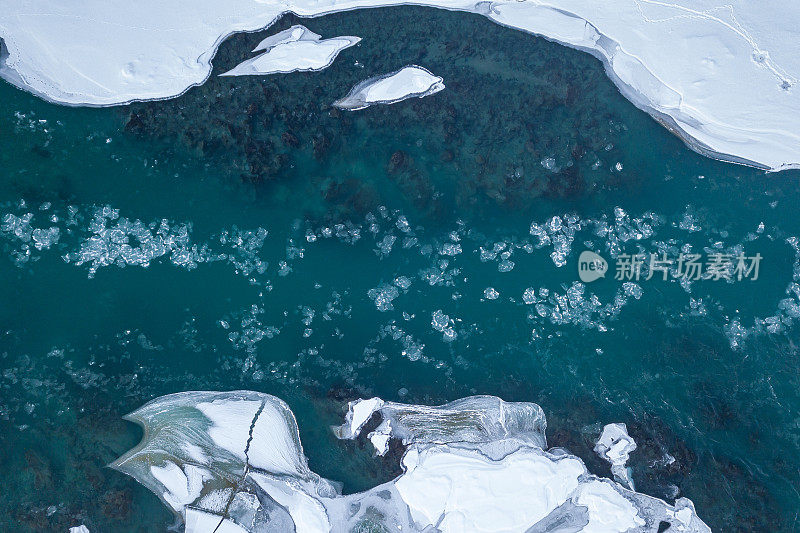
x=232, y=461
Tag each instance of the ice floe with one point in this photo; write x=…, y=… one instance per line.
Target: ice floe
x=408, y=82
x=292, y=50
x=722, y=74
x=232, y=461
x=615, y=446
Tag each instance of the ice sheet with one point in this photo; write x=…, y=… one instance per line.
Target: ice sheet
x=292, y=50
x=474, y=465
x=408, y=82
x=723, y=74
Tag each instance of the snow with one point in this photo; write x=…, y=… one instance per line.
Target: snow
x=292, y=50
x=460, y=490
x=198, y=521
x=615, y=446
x=182, y=486
x=230, y=423
x=307, y=512
x=608, y=509
x=408, y=82
x=475, y=464
x=380, y=441
x=723, y=74
x=359, y=412
x=297, y=32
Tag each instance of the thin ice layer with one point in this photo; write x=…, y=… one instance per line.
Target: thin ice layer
x=476, y=464
x=298, y=32
x=723, y=74
x=199, y=449
x=474, y=419
x=409, y=82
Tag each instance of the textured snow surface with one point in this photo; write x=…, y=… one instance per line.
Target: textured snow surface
x=615, y=446
x=477, y=464
x=408, y=82
x=297, y=48
x=721, y=73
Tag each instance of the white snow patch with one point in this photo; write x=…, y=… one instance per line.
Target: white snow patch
x=408, y=82
x=615, y=446
x=183, y=486
x=359, y=412
x=292, y=50
x=460, y=490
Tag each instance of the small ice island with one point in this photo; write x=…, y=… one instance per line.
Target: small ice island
x=408, y=82
x=232, y=462
x=293, y=50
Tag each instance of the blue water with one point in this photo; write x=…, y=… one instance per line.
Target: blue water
x=247, y=235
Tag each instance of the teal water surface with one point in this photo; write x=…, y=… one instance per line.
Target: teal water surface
x=247, y=235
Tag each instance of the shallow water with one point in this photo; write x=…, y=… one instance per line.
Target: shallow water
x=246, y=235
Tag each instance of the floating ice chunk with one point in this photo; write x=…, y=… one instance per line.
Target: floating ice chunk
x=292, y=50
x=380, y=440
x=297, y=32
x=615, y=446
x=358, y=413
x=529, y=296
x=79, y=529
x=408, y=82
x=383, y=295
x=444, y=324
x=475, y=464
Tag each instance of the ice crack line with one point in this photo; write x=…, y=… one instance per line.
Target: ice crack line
x=246, y=465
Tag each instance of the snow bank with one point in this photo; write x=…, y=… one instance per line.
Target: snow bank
x=232, y=462
x=292, y=50
x=723, y=74
x=408, y=82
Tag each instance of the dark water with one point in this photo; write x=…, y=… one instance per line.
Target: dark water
x=247, y=235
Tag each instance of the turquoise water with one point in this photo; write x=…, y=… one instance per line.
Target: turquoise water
x=246, y=235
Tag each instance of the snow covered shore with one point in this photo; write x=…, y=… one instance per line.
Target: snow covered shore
x=232, y=461
x=722, y=74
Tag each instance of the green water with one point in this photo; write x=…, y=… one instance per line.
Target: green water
x=285, y=225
